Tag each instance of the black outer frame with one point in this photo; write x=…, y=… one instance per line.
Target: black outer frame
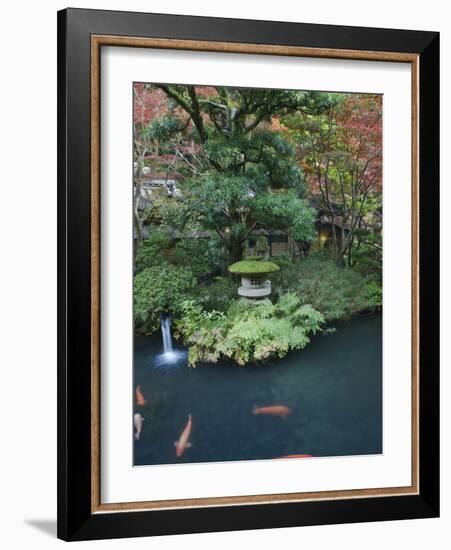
x=75, y=520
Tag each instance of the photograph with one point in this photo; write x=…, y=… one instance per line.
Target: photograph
x=257, y=273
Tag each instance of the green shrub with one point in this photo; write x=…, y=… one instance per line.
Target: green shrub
x=247, y=333
x=336, y=292
x=374, y=290
x=154, y=250
x=218, y=296
x=284, y=261
x=201, y=255
x=367, y=255
x=160, y=289
x=287, y=278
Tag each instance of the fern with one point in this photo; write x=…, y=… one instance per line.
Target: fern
x=247, y=333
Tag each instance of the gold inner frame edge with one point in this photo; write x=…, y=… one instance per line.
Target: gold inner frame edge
x=97, y=41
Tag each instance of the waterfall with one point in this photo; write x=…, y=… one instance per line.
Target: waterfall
x=170, y=358
x=166, y=333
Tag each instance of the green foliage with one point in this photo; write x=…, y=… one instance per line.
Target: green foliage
x=268, y=157
x=336, y=292
x=154, y=250
x=160, y=289
x=202, y=255
x=232, y=205
x=163, y=128
x=367, y=260
x=284, y=261
x=214, y=198
x=247, y=333
x=240, y=157
x=374, y=290
x=227, y=153
x=288, y=212
x=367, y=254
x=217, y=296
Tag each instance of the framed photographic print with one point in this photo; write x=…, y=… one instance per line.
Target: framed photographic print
x=248, y=274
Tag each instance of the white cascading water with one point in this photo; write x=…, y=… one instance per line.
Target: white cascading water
x=166, y=332
x=169, y=358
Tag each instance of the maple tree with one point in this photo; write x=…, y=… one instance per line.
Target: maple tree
x=340, y=151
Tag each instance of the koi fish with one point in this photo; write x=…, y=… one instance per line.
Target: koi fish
x=183, y=443
x=275, y=410
x=296, y=456
x=139, y=396
x=138, y=423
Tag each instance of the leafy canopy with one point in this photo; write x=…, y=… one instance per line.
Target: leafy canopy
x=241, y=158
x=202, y=255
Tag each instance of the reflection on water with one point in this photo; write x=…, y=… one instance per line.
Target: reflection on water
x=333, y=389
x=169, y=360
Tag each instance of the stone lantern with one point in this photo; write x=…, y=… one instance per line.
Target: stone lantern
x=254, y=282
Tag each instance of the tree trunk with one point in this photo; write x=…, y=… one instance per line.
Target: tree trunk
x=137, y=222
x=351, y=243
x=334, y=237
x=343, y=243
x=304, y=248
x=235, y=249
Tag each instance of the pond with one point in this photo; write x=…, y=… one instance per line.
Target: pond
x=333, y=388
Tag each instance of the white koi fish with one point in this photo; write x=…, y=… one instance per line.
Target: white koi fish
x=138, y=423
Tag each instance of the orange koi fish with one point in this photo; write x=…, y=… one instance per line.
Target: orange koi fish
x=274, y=410
x=183, y=443
x=139, y=396
x=296, y=456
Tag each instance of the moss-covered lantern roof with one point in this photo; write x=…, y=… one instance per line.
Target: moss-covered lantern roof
x=253, y=267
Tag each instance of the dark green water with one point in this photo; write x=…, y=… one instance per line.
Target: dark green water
x=334, y=388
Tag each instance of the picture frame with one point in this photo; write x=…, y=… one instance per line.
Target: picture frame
x=81, y=36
